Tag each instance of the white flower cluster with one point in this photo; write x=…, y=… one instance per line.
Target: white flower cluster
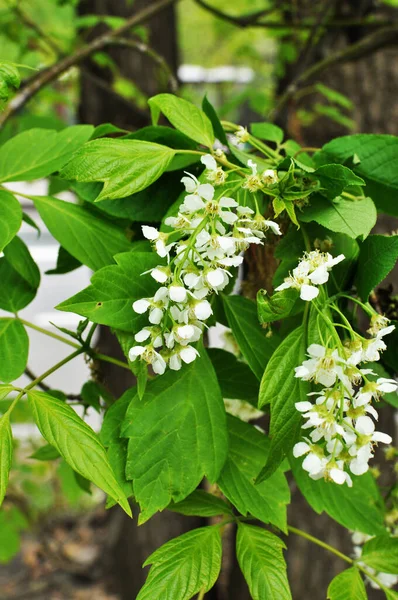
x=386, y=579
x=211, y=235
x=312, y=270
x=341, y=434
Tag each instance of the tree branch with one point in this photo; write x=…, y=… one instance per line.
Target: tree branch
x=387, y=36
x=254, y=20
x=45, y=76
x=145, y=49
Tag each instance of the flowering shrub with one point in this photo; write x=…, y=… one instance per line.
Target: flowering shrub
x=164, y=218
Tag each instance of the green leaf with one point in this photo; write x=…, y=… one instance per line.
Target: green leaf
x=12, y=521
x=10, y=218
x=177, y=435
x=14, y=349
x=253, y=343
x=208, y=108
x=248, y=450
x=15, y=292
x=281, y=389
x=5, y=454
x=334, y=96
x=260, y=558
x=149, y=205
x=278, y=306
x=125, y=166
x=348, y=585
x=20, y=259
x=355, y=218
x=66, y=263
x=376, y=161
x=390, y=594
x=76, y=442
x=201, y=504
x=185, y=117
x=235, y=378
x=267, y=131
x=37, y=153
x=356, y=508
x=335, y=179
x=5, y=390
x=377, y=257
x=114, y=416
x=108, y=301
x=184, y=566
x=381, y=553
x=46, y=452
x=89, y=238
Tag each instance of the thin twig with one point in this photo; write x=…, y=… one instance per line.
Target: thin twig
x=254, y=20
x=45, y=76
x=388, y=36
x=145, y=49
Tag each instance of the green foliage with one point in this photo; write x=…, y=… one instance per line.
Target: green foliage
x=9, y=80
x=268, y=132
x=358, y=508
x=133, y=166
x=281, y=390
x=248, y=449
x=185, y=117
x=253, y=343
x=347, y=585
x=10, y=218
x=12, y=522
x=14, y=349
x=184, y=566
x=278, y=306
x=178, y=411
x=381, y=553
x=373, y=157
x=377, y=258
x=354, y=218
x=113, y=290
x=169, y=432
x=37, y=153
x=88, y=238
x=201, y=504
x=5, y=454
x=76, y=442
x=236, y=380
x=261, y=559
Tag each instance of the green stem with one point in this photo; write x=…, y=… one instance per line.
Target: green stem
x=190, y=152
x=27, y=196
x=320, y=543
x=344, y=557
x=269, y=152
x=110, y=359
x=54, y=368
x=201, y=594
x=368, y=310
x=306, y=238
x=55, y=336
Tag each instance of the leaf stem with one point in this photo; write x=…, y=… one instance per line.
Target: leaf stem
x=201, y=594
x=110, y=359
x=55, y=336
x=329, y=548
x=54, y=368
x=320, y=543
